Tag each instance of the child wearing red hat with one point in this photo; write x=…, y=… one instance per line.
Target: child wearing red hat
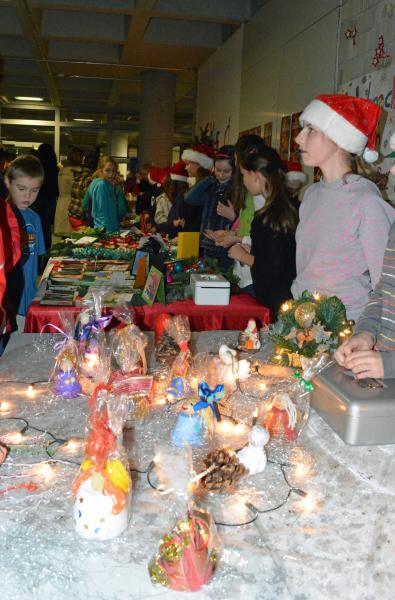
x=344, y=221
x=210, y=194
x=295, y=179
x=168, y=214
x=370, y=352
x=199, y=162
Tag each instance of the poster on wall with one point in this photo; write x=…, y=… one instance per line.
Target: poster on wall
x=268, y=133
x=253, y=131
x=379, y=86
x=295, y=128
x=284, y=137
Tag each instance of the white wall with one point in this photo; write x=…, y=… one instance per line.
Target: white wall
x=289, y=56
x=290, y=51
x=218, y=97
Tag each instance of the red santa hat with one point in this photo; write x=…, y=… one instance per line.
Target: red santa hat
x=178, y=171
x=294, y=171
x=203, y=154
x=158, y=175
x=348, y=121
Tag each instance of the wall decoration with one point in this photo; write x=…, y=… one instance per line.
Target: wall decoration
x=379, y=87
x=268, y=133
x=380, y=53
x=253, y=131
x=284, y=137
x=351, y=34
x=295, y=128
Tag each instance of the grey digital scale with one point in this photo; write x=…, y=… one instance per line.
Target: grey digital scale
x=361, y=412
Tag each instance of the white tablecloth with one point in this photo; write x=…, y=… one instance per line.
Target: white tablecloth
x=341, y=546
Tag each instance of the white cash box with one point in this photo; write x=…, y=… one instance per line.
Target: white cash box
x=210, y=289
x=361, y=412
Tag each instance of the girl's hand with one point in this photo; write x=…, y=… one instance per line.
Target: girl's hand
x=365, y=363
x=360, y=341
x=237, y=252
x=228, y=239
x=226, y=210
x=211, y=235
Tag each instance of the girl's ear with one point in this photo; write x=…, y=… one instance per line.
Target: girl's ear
x=7, y=182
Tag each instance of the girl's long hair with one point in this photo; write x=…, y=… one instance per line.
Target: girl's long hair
x=277, y=212
x=244, y=143
x=227, y=153
x=172, y=188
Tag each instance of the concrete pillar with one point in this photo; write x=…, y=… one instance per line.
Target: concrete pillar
x=119, y=149
x=157, y=118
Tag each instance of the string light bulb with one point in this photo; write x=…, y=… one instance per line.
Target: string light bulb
x=31, y=392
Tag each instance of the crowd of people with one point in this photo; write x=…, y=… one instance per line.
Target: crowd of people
x=244, y=201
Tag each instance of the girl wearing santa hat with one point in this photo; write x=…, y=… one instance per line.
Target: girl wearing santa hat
x=344, y=222
x=199, y=162
x=209, y=194
x=370, y=352
x=169, y=218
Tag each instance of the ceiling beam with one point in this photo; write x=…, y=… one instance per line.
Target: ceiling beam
x=136, y=30
x=32, y=33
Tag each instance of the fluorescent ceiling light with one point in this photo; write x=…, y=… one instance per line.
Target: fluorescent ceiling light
x=29, y=98
x=84, y=120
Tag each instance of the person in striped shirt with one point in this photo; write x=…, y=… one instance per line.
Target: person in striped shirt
x=370, y=352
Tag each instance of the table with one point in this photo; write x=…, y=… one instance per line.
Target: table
x=202, y=318
x=340, y=546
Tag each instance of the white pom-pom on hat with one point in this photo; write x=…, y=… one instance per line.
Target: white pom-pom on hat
x=370, y=155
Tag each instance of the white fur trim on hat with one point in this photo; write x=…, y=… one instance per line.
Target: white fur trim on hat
x=175, y=177
x=296, y=176
x=392, y=141
x=336, y=127
x=190, y=155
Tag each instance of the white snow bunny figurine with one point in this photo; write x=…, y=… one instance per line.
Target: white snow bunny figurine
x=253, y=456
x=232, y=368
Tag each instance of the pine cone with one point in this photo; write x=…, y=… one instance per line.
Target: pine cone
x=167, y=349
x=226, y=472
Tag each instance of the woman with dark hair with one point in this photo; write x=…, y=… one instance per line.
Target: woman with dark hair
x=271, y=256
x=45, y=204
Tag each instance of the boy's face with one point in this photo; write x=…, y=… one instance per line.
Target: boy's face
x=23, y=190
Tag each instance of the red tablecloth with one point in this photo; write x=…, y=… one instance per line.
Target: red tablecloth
x=202, y=318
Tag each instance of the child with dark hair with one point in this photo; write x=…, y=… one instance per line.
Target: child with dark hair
x=210, y=193
x=271, y=256
x=199, y=162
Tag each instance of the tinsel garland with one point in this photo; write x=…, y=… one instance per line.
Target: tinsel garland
x=94, y=252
